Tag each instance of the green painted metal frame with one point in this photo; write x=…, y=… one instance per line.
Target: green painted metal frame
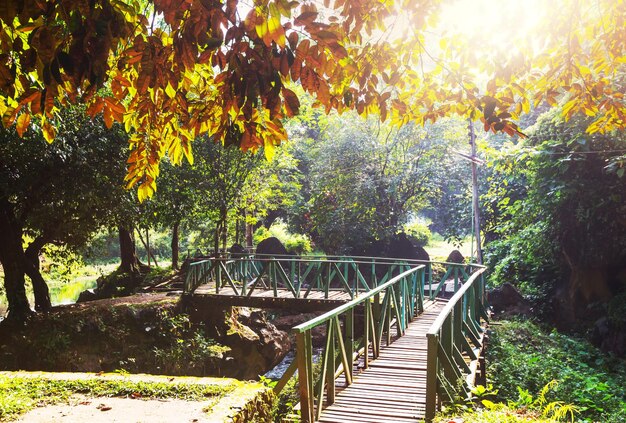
x=455, y=332
x=398, y=300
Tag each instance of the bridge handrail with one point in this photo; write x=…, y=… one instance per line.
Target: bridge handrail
x=403, y=297
x=249, y=270
x=316, y=321
x=455, y=331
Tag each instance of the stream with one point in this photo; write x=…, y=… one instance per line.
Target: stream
x=277, y=372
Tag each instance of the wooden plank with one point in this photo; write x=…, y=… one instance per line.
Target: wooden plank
x=393, y=388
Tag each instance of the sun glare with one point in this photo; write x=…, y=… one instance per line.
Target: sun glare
x=498, y=23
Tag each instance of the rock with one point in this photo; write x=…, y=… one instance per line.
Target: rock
x=87, y=295
x=508, y=301
x=237, y=250
x=271, y=246
x=256, y=345
x=609, y=337
x=455, y=257
x=289, y=321
x=401, y=247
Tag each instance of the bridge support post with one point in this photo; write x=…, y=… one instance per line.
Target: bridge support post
x=431, y=377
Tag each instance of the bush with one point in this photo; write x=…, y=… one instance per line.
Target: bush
x=418, y=233
x=294, y=243
x=524, y=357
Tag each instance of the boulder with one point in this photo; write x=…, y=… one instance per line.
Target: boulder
x=87, y=295
x=256, y=346
x=609, y=337
x=237, y=250
x=401, y=247
x=455, y=257
x=506, y=300
x=271, y=246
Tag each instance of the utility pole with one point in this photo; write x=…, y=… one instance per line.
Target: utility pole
x=475, y=209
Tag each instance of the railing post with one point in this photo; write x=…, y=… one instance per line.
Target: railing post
x=349, y=325
x=218, y=272
x=366, y=335
x=330, y=368
x=305, y=376
x=431, y=377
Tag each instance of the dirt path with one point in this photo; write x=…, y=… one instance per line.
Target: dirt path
x=120, y=410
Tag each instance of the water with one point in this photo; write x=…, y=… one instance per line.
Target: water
x=68, y=293
x=277, y=372
x=61, y=294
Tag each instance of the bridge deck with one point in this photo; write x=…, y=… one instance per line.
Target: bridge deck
x=265, y=298
x=393, y=388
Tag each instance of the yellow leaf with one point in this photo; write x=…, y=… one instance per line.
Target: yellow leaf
x=169, y=90
x=22, y=124
x=269, y=149
x=49, y=132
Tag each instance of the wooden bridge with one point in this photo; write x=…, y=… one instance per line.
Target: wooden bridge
x=399, y=342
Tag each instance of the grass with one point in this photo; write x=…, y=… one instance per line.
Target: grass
x=503, y=414
x=20, y=394
x=439, y=249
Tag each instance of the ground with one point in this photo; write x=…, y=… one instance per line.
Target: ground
x=74, y=397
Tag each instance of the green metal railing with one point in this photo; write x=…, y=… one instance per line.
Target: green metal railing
x=454, y=343
x=396, y=301
x=299, y=275
x=302, y=275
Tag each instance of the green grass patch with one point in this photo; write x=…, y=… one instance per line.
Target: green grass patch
x=503, y=414
x=524, y=357
x=439, y=249
x=20, y=394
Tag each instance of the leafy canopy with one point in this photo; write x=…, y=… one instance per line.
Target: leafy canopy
x=177, y=69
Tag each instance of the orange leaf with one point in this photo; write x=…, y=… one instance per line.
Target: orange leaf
x=22, y=124
x=49, y=132
x=292, y=104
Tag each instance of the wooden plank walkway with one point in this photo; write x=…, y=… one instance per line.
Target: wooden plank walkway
x=264, y=298
x=393, y=388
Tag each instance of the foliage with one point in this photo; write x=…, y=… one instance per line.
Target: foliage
x=41, y=182
x=184, y=347
x=555, y=205
x=365, y=180
x=526, y=409
x=177, y=72
x=418, y=233
x=20, y=394
x=525, y=355
x=294, y=243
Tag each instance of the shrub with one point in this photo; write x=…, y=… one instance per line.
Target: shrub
x=524, y=357
x=294, y=243
x=418, y=233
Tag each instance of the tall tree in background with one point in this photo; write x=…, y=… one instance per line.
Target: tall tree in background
x=41, y=196
x=366, y=179
x=560, y=224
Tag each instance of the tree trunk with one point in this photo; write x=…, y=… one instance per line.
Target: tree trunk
x=224, y=227
x=128, y=255
x=175, y=246
x=40, y=287
x=249, y=228
x=13, y=263
x=237, y=226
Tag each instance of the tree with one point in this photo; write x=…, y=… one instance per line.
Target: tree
x=176, y=201
x=560, y=219
x=180, y=70
x=366, y=180
x=41, y=196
